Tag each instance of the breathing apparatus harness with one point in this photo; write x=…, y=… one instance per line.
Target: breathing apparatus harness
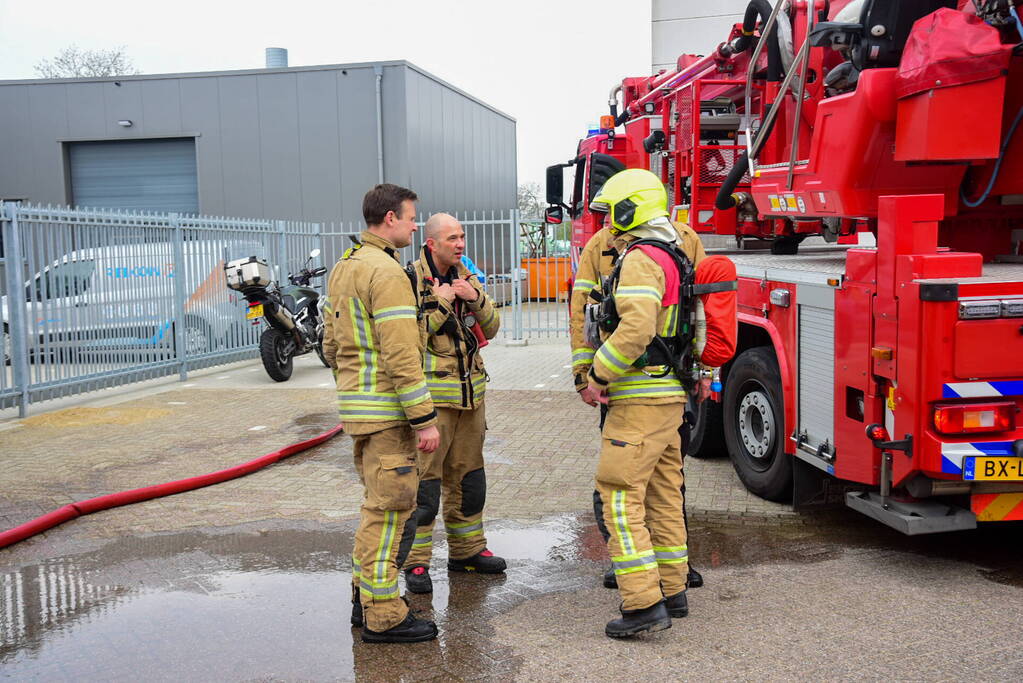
x=675, y=351
x=458, y=326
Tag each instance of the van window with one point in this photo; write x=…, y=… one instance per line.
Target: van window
x=66, y=279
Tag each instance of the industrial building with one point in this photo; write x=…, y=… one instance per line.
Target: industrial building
x=300, y=143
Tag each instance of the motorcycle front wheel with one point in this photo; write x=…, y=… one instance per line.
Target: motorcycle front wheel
x=275, y=351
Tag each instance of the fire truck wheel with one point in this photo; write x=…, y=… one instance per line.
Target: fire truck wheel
x=754, y=424
x=707, y=438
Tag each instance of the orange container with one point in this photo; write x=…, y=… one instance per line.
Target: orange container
x=547, y=278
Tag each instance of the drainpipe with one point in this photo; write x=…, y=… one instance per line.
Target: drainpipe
x=379, y=71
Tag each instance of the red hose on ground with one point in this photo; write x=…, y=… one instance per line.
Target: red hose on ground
x=85, y=507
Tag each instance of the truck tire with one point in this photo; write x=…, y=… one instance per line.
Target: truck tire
x=707, y=437
x=754, y=424
x=273, y=350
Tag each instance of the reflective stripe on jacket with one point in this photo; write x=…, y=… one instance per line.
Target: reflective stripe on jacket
x=595, y=264
x=454, y=373
x=372, y=339
x=638, y=296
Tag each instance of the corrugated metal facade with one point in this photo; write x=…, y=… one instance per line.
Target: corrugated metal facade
x=277, y=143
x=690, y=26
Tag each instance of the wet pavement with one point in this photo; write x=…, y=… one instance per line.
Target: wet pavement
x=271, y=602
x=249, y=580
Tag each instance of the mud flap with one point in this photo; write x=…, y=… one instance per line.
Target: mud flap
x=474, y=492
x=815, y=489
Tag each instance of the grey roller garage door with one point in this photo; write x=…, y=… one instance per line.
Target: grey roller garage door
x=154, y=175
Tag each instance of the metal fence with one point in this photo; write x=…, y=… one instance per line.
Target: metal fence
x=96, y=298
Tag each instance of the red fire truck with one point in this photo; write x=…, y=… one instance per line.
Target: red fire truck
x=884, y=366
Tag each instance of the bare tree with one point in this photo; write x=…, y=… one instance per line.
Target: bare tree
x=74, y=62
x=531, y=200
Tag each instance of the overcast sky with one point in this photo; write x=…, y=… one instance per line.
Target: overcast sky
x=548, y=63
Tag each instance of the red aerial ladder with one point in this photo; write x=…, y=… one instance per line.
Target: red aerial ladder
x=885, y=366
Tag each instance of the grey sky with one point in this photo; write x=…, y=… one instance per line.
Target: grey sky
x=550, y=64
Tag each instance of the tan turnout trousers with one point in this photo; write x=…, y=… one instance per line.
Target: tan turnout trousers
x=386, y=463
x=639, y=478
x=455, y=470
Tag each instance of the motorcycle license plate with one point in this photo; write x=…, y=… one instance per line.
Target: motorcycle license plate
x=254, y=312
x=992, y=468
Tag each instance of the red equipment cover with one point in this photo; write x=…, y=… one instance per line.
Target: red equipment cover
x=719, y=309
x=948, y=48
x=667, y=264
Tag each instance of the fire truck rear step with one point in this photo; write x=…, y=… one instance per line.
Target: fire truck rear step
x=921, y=517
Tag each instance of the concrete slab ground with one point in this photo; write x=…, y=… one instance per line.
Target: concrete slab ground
x=249, y=580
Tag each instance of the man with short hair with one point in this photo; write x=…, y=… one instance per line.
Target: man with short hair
x=460, y=318
x=373, y=341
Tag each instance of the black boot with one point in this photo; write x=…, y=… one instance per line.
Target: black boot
x=652, y=618
x=484, y=562
x=695, y=578
x=610, y=579
x=356, y=613
x=678, y=605
x=417, y=579
x=411, y=630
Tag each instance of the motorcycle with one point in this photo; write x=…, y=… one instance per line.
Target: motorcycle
x=293, y=314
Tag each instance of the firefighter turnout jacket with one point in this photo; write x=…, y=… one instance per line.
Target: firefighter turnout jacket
x=372, y=338
x=640, y=290
x=453, y=365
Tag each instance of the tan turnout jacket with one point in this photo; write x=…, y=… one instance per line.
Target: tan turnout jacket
x=453, y=365
x=372, y=338
x=638, y=299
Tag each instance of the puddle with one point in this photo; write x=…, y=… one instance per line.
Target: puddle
x=272, y=600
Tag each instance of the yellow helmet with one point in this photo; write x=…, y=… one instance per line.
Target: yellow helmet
x=631, y=197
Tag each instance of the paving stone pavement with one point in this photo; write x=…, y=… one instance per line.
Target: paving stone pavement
x=248, y=580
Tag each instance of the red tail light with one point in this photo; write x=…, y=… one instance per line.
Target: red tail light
x=971, y=418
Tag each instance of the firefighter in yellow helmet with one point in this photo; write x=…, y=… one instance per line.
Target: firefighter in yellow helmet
x=596, y=262
x=639, y=474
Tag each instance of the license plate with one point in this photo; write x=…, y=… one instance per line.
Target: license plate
x=993, y=468
x=254, y=312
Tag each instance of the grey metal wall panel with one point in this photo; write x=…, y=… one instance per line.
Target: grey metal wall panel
x=161, y=106
x=123, y=102
x=319, y=145
x=47, y=112
x=461, y=152
x=16, y=162
x=89, y=120
x=356, y=94
x=279, y=145
x=241, y=160
x=816, y=374
x=393, y=85
x=150, y=175
x=200, y=114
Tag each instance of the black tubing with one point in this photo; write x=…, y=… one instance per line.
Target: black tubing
x=761, y=8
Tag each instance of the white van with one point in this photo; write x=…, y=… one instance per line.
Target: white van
x=119, y=300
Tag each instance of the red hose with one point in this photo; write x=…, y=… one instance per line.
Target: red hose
x=85, y=507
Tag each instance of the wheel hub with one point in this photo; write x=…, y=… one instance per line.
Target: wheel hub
x=195, y=341
x=756, y=424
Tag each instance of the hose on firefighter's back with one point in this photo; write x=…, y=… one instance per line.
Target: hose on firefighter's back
x=85, y=507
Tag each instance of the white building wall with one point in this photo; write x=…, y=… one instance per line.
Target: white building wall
x=690, y=26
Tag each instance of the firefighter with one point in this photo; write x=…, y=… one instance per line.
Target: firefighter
x=639, y=474
x=595, y=264
x=373, y=341
x=454, y=305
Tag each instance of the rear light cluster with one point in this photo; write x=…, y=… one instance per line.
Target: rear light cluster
x=974, y=418
x=994, y=308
